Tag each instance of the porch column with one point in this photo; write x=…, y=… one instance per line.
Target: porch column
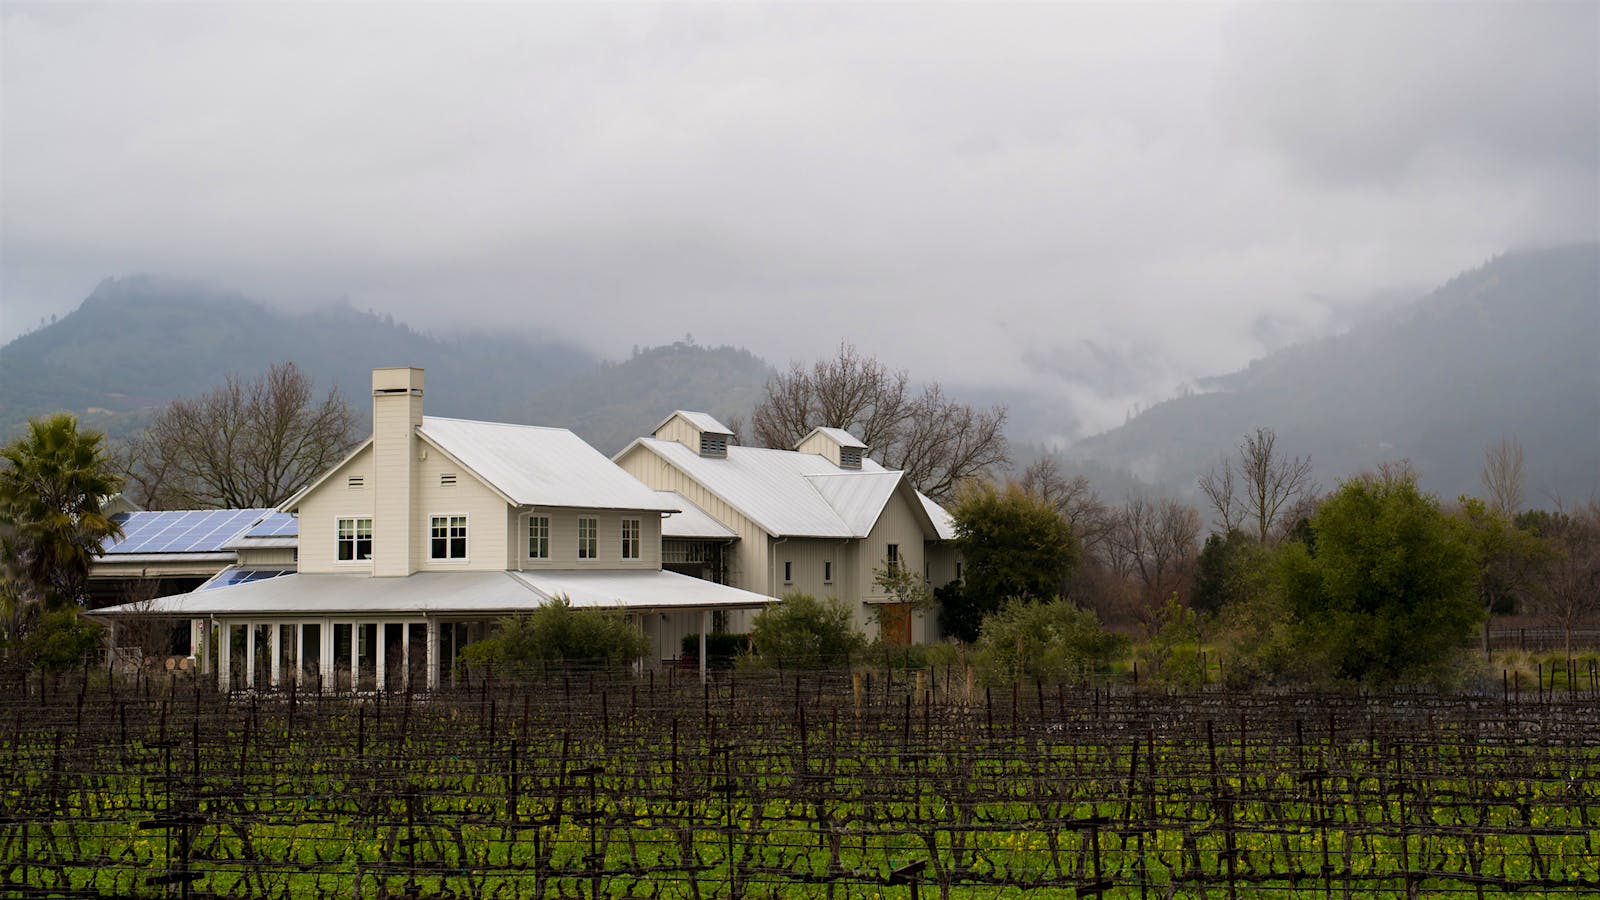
x=249, y=654
x=705, y=626
x=325, y=658
x=224, y=655
x=299, y=653
x=379, y=651
x=405, y=655
x=355, y=655
x=275, y=647
x=433, y=654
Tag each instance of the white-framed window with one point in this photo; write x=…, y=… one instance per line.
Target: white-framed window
x=894, y=557
x=827, y=572
x=355, y=539
x=588, y=538
x=539, y=537
x=447, y=537
x=788, y=572
x=630, y=538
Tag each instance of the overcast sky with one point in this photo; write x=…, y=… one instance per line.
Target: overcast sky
x=1097, y=200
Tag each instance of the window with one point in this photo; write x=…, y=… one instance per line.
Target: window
x=588, y=538
x=630, y=538
x=357, y=481
x=958, y=571
x=827, y=572
x=449, y=537
x=355, y=539
x=894, y=558
x=539, y=537
x=713, y=445
x=448, y=479
x=788, y=572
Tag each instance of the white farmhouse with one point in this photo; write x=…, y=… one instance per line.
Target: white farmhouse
x=820, y=519
x=424, y=535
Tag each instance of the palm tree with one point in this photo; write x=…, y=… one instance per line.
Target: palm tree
x=52, y=483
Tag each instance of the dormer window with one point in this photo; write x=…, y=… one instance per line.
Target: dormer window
x=849, y=457
x=448, y=479
x=714, y=445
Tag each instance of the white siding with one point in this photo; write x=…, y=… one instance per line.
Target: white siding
x=564, y=540
x=486, y=513
x=321, y=509
x=747, y=559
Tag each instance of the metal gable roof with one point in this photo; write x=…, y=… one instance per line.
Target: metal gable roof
x=537, y=466
x=837, y=435
x=692, y=521
x=943, y=522
x=700, y=420
x=773, y=490
x=858, y=497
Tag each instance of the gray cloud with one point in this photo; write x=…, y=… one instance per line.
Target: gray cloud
x=977, y=193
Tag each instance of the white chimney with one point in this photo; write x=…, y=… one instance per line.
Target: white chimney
x=396, y=414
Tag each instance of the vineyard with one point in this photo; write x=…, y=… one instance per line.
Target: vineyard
x=902, y=785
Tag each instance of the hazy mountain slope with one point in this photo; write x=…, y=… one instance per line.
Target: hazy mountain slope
x=1507, y=350
x=139, y=342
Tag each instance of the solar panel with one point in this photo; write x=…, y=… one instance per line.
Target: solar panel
x=276, y=525
x=182, y=531
x=235, y=575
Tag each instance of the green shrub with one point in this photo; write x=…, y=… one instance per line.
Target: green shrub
x=556, y=632
x=802, y=632
x=1174, y=651
x=60, y=641
x=1047, y=641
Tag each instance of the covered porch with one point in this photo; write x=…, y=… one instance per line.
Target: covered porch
x=361, y=633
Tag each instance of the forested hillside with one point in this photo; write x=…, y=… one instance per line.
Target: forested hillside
x=137, y=343
x=1505, y=351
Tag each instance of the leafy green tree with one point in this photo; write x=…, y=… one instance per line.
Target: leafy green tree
x=803, y=632
x=1229, y=570
x=556, y=632
x=51, y=523
x=1015, y=545
x=1391, y=594
x=1048, y=640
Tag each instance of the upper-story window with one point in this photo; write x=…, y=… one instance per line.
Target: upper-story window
x=539, y=537
x=588, y=538
x=355, y=539
x=630, y=538
x=894, y=557
x=827, y=572
x=448, y=537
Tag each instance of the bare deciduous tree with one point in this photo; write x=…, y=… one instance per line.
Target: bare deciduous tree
x=1270, y=481
x=936, y=441
x=1152, y=544
x=1072, y=497
x=1567, y=591
x=1502, y=477
x=241, y=445
x=1218, y=487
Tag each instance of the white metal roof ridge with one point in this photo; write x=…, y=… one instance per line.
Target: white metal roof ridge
x=703, y=421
